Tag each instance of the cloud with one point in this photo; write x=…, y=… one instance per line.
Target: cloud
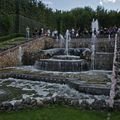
x=47, y=2
x=106, y=1
x=101, y=3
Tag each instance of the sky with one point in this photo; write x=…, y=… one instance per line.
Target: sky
x=70, y=4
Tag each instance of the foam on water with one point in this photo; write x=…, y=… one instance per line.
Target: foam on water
x=46, y=90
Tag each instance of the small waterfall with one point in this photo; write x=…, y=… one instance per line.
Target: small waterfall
x=20, y=54
x=113, y=79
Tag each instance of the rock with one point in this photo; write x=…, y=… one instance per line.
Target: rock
x=75, y=103
x=18, y=106
x=90, y=101
x=33, y=103
x=67, y=101
x=0, y=107
x=59, y=100
x=99, y=105
x=40, y=103
x=26, y=101
x=117, y=105
x=6, y=107
x=48, y=101
x=84, y=104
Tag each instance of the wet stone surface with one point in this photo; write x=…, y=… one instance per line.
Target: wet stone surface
x=22, y=83
x=46, y=90
x=2, y=92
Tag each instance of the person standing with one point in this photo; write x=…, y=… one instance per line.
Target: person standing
x=40, y=32
x=48, y=32
x=73, y=33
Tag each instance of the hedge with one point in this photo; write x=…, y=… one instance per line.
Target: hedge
x=11, y=36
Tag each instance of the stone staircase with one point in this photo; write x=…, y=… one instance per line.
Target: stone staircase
x=118, y=68
x=115, y=79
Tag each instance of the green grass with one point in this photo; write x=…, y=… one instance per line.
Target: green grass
x=11, y=36
x=11, y=42
x=55, y=113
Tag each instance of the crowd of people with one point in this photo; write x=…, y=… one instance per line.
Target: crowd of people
x=74, y=33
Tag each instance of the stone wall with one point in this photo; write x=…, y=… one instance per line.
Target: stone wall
x=102, y=44
x=103, y=61
x=118, y=69
x=11, y=57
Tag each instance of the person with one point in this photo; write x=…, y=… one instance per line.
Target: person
x=118, y=31
x=27, y=32
x=77, y=35
x=56, y=34
x=73, y=33
x=40, y=32
x=52, y=34
x=80, y=31
x=36, y=32
x=48, y=32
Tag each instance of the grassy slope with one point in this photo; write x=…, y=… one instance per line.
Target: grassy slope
x=55, y=113
x=11, y=42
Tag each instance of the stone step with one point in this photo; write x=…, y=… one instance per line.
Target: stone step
x=89, y=88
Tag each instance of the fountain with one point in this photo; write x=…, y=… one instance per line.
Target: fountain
x=95, y=28
x=20, y=55
x=67, y=40
x=64, y=62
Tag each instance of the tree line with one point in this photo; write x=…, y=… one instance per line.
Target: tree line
x=75, y=18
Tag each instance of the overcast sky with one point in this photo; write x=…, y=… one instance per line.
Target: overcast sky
x=69, y=4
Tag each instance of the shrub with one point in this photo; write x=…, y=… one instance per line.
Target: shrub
x=5, y=38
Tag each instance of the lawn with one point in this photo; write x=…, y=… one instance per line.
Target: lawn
x=58, y=113
x=11, y=42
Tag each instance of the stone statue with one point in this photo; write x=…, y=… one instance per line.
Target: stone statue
x=27, y=32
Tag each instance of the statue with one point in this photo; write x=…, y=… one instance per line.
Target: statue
x=27, y=32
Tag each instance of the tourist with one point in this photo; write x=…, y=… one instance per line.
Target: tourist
x=52, y=34
x=48, y=32
x=40, y=32
x=73, y=33
x=56, y=34
x=77, y=34
x=36, y=32
x=80, y=31
x=118, y=31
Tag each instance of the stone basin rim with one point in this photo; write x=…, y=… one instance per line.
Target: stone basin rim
x=59, y=60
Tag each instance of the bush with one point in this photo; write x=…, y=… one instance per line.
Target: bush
x=5, y=38
x=7, y=24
